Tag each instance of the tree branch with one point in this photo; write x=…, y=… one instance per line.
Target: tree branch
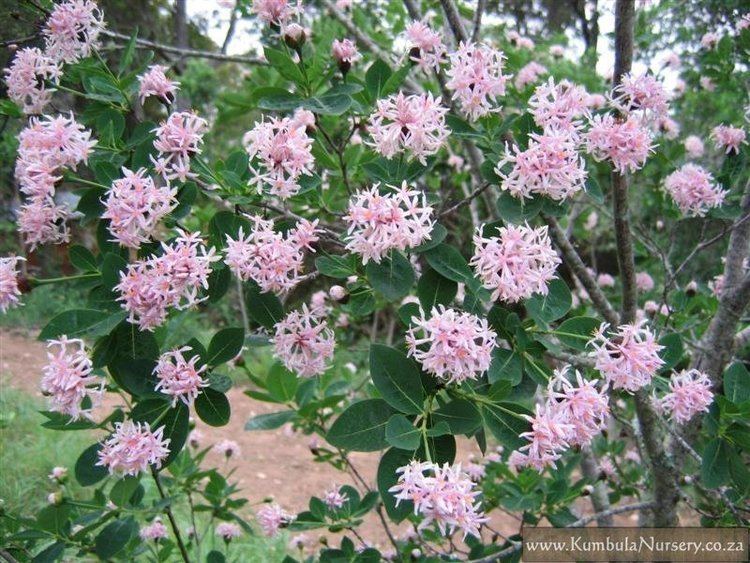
x=454, y=20
x=478, y=19
x=599, y=496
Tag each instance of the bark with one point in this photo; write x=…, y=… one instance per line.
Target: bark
x=599, y=498
x=454, y=20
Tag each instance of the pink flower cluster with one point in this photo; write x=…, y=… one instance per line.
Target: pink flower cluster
x=550, y=166
x=559, y=106
x=476, y=78
x=516, y=264
x=694, y=146
x=444, y=495
x=414, y=124
x=276, y=12
x=135, y=205
x=9, y=291
x=693, y=190
x=626, y=143
x=273, y=260
x=154, y=82
x=26, y=77
x=642, y=93
x=728, y=138
x=272, y=518
x=710, y=39
x=228, y=531
x=334, y=498
x=426, y=44
x=283, y=151
x=132, y=448
x=644, y=282
x=72, y=30
x=178, y=139
x=151, y=286
x=379, y=223
x=628, y=357
x=178, y=377
x=67, y=378
x=454, y=346
x=155, y=531
x=690, y=393
x=228, y=448
x=529, y=74
x=304, y=343
x=46, y=147
x=345, y=51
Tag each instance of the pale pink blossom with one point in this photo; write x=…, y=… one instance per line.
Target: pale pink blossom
x=556, y=51
x=627, y=357
x=195, y=438
x=26, y=78
x=516, y=264
x=550, y=435
x=72, y=30
x=707, y=84
x=642, y=93
x=744, y=23
x=178, y=139
x=154, y=82
x=644, y=281
x=728, y=138
x=476, y=78
x=344, y=4
x=672, y=60
x=227, y=448
x=693, y=190
x=652, y=308
x=134, y=206
x=272, y=518
x=68, y=378
x=228, y=531
x=9, y=290
x=132, y=448
x=710, y=40
x=592, y=220
x=304, y=343
x=380, y=222
x=345, y=52
x=550, y=166
x=458, y=345
x=690, y=393
x=444, y=495
x=519, y=40
x=605, y=280
x=299, y=541
x=42, y=221
x=337, y=292
x=668, y=127
x=334, y=498
x=426, y=45
x=273, y=260
x=560, y=106
x=58, y=474
x=276, y=12
x=596, y=101
x=529, y=74
x=694, y=146
x=281, y=153
x=607, y=467
x=679, y=87
x=584, y=404
x=413, y=124
x=178, y=377
x=626, y=144
x=475, y=471
x=155, y=531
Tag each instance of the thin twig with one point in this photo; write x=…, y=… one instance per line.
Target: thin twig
x=478, y=19
x=170, y=516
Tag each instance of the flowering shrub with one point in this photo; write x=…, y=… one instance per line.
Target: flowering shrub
x=440, y=206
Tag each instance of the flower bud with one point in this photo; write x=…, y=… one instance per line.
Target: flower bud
x=294, y=36
x=337, y=292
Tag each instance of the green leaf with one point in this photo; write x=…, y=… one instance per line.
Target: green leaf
x=134, y=375
x=339, y=267
x=387, y=478
x=506, y=365
x=594, y=189
x=54, y=518
x=393, y=84
x=269, y=421
x=737, y=383
x=212, y=407
x=284, y=64
x=672, y=352
x=550, y=307
x=330, y=103
x=225, y=223
x=449, y=263
x=434, y=289
x=176, y=422
x=461, y=128
x=361, y=427
x=123, y=490
x=112, y=265
x=126, y=58
x=517, y=211
x=397, y=378
x=215, y=557
x=437, y=235
x=114, y=537
x=264, y=308
x=577, y=331
x=78, y=323
x=86, y=471
x=393, y=277
x=281, y=383
x=461, y=416
x=503, y=422
x=715, y=466
x=400, y=433
x=9, y=108
x=442, y=449
x=225, y=345
x=82, y=258
x=376, y=77
x=218, y=284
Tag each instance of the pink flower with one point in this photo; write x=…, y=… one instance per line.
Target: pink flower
x=643, y=281
x=273, y=260
x=516, y=264
x=276, y=12
x=195, y=438
x=550, y=435
x=178, y=139
x=605, y=280
x=304, y=343
x=672, y=60
x=690, y=394
x=628, y=357
x=475, y=471
x=72, y=30
x=585, y=407
x=178, y=377
x=550, y=166
x=529, y=74
x=154, y=82
x=710, y=40
x=155, y=531
x=272, y=518
x=151, y=286
x=744, y=23
x=728, y=138
x=716, y=286
x=693, y=190
x=414, y=124
x=344, y=4
x=58, y=474
x=444, y=495
x=135, y=205
x=679, y=86
x=607, y=467
x=132, y=448
x=283, y=153
x=335, y=499
x=458, y=345
x=228, y=531
x=426, y=44
x=556, y=51
x=9, y=291
x=596, y=101
x=668, y=127
x=227, y=448
x=68, y=379
x=41, y=221
x=641, y=93
x=707, y=84
x=694, y=146
x=379, y=223
x=626, y=144
x=519, y=40
x=559, y=106
x=476, y=78
x=26, y=77
x=345, y=52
